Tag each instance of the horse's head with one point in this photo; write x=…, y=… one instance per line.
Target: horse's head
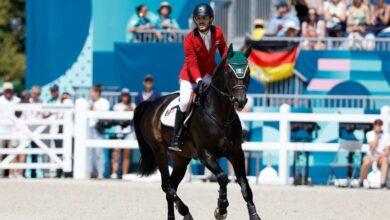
x=234, y=69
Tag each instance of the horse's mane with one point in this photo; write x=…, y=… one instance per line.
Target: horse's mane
x=219, y=68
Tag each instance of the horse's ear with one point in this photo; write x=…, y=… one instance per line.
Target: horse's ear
x=230, y=51
x=248, y=51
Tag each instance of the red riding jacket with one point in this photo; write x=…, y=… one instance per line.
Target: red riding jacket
x=199, y=61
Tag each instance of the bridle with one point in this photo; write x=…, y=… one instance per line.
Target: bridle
x=229, y=95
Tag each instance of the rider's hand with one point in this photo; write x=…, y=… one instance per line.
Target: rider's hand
x=201, y=86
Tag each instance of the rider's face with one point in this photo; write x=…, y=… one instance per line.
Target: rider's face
x=204, y=22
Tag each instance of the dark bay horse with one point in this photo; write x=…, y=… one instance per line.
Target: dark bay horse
x=213, y=131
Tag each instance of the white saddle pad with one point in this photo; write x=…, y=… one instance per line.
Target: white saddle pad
x=168, y=116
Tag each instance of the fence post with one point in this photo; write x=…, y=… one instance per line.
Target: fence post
x=67, y=141
x=80, y=150
x=385, y=115
x=284, y=139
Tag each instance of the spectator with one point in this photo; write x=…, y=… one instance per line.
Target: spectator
x=302, y=7
x=361, y=39
x=378, y=153
x=358, y=13
x=66, y=98
x=313, y=27
x=148, y=94
x=96, y=159
x=380, y=16
x=258, y=30
x=8, y=98
x=165, y=21
x=35, y=98
x=335, y=15
x=54, y=94
x=138, y=22
x=276, y=26
x=126, y=133
x=290, y=29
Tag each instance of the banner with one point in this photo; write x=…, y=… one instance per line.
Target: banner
x=271, y=61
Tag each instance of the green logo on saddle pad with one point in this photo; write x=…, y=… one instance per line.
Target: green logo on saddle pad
x=237, y=62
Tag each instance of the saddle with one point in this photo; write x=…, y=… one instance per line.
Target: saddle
x=169, y=114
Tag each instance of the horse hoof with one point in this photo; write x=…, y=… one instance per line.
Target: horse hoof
x=219, y=216
x=255, y=216
x=188, y=217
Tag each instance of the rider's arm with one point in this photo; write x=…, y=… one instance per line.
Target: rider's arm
x=191, y=60
x=222, y=48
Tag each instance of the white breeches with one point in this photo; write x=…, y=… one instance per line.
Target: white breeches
x=186, y=90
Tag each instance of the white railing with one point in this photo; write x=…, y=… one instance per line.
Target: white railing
x=38, y=123
x=330, y=43
x=370, y=103
x=284, y=146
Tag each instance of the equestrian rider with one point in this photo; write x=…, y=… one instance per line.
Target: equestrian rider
x=200, y=47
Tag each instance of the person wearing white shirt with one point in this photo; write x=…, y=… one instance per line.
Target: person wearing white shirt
x=95, y=155
x=8, y=98
x=378, y=152
x=126, y=133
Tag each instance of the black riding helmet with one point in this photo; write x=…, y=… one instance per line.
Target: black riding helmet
x=202, y=10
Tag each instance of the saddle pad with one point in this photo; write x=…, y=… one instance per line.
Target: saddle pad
x=168, y=116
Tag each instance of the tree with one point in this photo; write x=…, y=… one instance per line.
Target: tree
x=12, y=40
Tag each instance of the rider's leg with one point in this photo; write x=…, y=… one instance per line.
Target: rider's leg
x=185, y=99
x=211, y=163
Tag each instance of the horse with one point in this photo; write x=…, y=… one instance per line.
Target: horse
x=213, y=131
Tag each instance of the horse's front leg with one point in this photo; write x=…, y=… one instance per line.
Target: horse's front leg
x=211, y=163
x=237, y=159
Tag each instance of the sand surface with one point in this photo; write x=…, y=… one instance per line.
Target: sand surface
x=72, y=199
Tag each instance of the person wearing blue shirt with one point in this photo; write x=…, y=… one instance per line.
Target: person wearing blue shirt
x=276, y=26
x=140, y=21
x=164, y=21
x=148, y=94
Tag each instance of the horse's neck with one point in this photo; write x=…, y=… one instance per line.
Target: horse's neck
x=219, y=105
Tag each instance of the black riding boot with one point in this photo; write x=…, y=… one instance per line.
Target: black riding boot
x=177, y=132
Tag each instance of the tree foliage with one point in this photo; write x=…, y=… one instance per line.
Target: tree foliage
x=12, y=40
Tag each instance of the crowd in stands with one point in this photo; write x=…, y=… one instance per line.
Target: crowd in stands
x=144, y=20
x=97, y=157
x=360, y=21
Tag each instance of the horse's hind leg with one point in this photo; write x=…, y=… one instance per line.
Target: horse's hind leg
x=211, y=163
x=237, y=159
x=167, y=187
x=179, y=170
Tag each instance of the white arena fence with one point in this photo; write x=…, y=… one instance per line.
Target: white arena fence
x=80, y=127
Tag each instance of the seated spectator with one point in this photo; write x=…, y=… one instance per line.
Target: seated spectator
x=313, y=27
x=127, y=133
x=95, y=155
x=66, y=99
x=290, y=29
x=258, y=30
x=302, y=7
x=378, y=153
x=358, y=13
x=361, y=39
x=148, y=94
x=164, y=21
x=138, y=22
x=276, y=26
x=335, y=13
x=380, y=18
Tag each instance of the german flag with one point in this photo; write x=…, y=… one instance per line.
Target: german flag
x=271, y=61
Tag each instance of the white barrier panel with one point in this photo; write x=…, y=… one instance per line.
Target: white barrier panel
x=284, y=146
x=30, y=125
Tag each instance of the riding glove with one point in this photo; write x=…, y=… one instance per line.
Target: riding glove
x=201, y=86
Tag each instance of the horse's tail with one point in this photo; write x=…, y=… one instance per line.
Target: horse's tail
x=147, y=164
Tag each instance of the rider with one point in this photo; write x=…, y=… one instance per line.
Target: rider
x=200, y=47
